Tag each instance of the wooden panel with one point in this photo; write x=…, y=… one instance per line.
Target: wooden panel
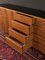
x=1, y=21
x=21, y=27
x=5, y=21
x=22, y=18
x=22, y=38
x=29, y=42
x=37, y=28
x=40, y=22
x=9, y=14
x=21, y=48
x=39, y=31
x=14, y=44
x=5, y=15
x=39, y=39
x=2, y=18
x=39, y=47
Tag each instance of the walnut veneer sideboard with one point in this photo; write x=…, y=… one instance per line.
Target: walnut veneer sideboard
x=24, y=30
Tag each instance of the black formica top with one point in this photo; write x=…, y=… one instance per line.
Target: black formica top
x=27, y=10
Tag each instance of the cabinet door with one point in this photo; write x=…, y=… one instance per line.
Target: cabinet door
x=4, y=19
x=40, y=22
x=1, y=21
x=5, y=16
x=22, y=18
x=9, y=17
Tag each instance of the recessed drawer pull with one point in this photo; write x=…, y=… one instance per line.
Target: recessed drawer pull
x=19, y=32
x=24, y=14
x=21, y=27
x=17, y=35
x=22, y=22
x=20, y=47
x=15, y=45
x=14, y=39
x=24, y=19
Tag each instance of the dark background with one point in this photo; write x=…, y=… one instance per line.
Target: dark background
x=36, y=4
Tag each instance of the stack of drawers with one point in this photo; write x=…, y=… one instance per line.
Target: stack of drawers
x=20, y=32
x=20, y=29
x=39, y=34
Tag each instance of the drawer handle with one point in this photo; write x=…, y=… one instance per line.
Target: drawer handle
x=19, y=32
x=24, y=14
x=21, y=22
x=16, y=40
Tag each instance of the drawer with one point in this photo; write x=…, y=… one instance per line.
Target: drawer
x=20, y=47
x=23, y=18
x=19, y=36
x=21, y=27
x=39, y=47
x=15, y=45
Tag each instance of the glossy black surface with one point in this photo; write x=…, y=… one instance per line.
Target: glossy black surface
x=27, y=10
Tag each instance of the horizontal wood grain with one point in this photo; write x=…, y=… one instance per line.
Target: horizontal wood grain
x=39, y=39
x=22, y=38
x=22, y=18
x=21, y=27
x=21, y=48
x=4, y=19
x=39, y=31
x=40, y=22
x=1, y=21
x=15, y=45
x=9, y=13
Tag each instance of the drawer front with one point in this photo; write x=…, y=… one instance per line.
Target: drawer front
x=23, y=19
x=39, y=47
x=14, y=44
x=17, y=35
x=21, y=27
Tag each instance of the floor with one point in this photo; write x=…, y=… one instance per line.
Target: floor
x=7, y=53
